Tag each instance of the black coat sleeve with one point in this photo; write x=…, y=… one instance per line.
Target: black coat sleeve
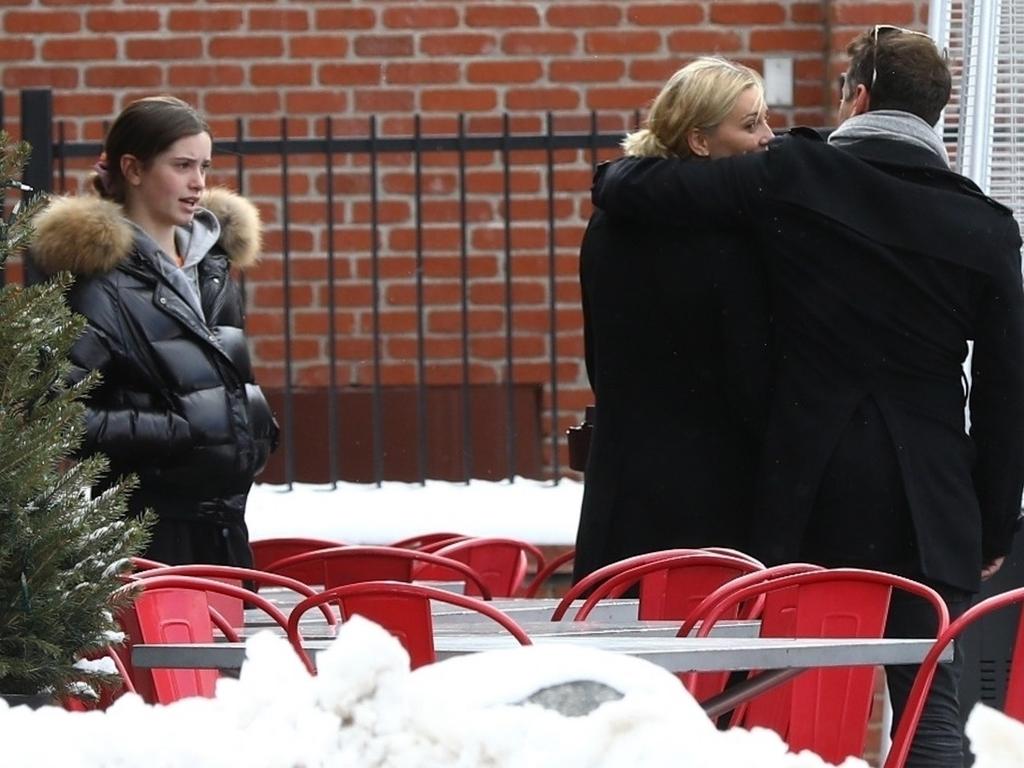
x=114, y=426
x=693, y=193
x=997, y=404
x=724, y=196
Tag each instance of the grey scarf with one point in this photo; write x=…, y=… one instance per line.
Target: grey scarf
x=889, y=124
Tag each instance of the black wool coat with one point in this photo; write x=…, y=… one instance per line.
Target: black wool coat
x=884, y=264
x=676, y=334
x=177, y=404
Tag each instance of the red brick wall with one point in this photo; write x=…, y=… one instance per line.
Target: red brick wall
x=262, y=61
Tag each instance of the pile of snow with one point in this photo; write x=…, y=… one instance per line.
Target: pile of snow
x=996, y=740
x=365, y=708
x=362, y=513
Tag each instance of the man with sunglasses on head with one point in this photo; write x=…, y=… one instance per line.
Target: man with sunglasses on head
x=883, y=265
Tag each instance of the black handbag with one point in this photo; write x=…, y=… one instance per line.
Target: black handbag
x=579, y=439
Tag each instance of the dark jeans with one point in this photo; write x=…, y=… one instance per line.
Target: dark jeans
x=939, y=740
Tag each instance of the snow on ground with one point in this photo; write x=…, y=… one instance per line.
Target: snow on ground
x=356, y=513
x=997, y=740
x=365, y=708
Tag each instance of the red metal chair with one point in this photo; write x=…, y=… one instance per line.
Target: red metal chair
x=223, y=609
x=583, y=587
x=436, y=544
x=145, y=564
x=500, y=562
x=704, y=685
x=175, y=609
x=127, y=685
x=230, y=608
x=347, y=565
x=752, y=608
x=267, y=551
x=1014, y=704
x=824, y=710
x=107, y=695
x=427, y=539
x=402, y=609
x=734, y=553
x=549, y=570
x=671, y=587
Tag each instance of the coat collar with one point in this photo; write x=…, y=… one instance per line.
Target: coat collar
x=87, y=235
x=906, y=159
x=895, y=153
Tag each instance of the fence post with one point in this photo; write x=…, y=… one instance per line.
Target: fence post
x=37, y=130
x=3, y=207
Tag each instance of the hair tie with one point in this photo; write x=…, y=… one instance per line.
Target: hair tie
x=103, y=172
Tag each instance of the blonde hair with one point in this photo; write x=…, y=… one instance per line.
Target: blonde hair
x=700, y=95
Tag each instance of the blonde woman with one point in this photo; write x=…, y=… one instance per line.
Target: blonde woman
x=676, y=348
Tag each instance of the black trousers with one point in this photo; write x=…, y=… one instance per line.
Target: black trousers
x=939, y=739
x=861, y=519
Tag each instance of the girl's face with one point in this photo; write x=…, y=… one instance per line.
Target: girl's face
x=166, y=191
x=745, y=129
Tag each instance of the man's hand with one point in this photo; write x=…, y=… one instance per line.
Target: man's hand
x=990, y=570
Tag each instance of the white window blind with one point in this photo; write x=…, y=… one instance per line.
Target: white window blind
x=984, y=124
x=1006, y=164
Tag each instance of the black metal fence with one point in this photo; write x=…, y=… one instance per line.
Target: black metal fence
x=53, y=162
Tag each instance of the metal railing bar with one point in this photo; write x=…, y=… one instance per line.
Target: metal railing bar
x=332, y=314
x=289, y=412
x=61, y=163
x=240, y=186
x=377, y=426
x=510, y=400
x=467, y=431
x=3, y=200
x=552, y=289
x=381, y=145
x=239, y=157
x=421, y=351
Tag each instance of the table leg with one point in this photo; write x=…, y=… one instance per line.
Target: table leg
x=732, y=697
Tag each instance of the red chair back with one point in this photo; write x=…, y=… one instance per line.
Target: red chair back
x=230, y=608
x=824, y=710
x=583, y=587
x=170, y=616
x=1014, y=704
x=550, y=569
x=672, y=587
x=145, y=564
x=175, y=609
x=501, y=562
x=267, y=551
x=348, y=565
x=428, y=539
x=704, y=685
x=404, y=610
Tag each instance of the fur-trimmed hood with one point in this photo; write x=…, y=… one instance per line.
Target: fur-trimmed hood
x=88, y=235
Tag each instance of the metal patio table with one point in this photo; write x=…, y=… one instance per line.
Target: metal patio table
x=782, y=658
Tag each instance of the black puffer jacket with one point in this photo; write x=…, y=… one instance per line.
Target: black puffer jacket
x=177, y=404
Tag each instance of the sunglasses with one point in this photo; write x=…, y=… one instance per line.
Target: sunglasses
x=876, y=32
x=879, y=28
